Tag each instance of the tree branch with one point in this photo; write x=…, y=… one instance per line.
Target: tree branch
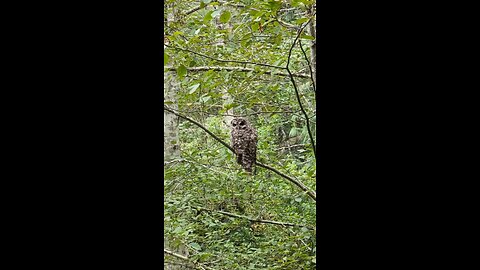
x=309, y=192
x=296, y=89
x=309, y=67
x=241, y=69
x=175, y=254
x=254, y=219
x=224, y=61
x=299, y=184
x=198, y=265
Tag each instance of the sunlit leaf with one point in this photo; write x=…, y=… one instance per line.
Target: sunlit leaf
x=165, y=58
x=301, y=20
x=208, y=17
x=193, y=88
x=307, y=37
x=181, y=70
x=225, y=17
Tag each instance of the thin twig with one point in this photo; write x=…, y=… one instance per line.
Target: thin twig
x=299, y=184
x=200, y=126
x=175, y=254
x=290, y=146
x=254, y=219
x=296, y=89
x=239, y=115
x=241, y=69
x=222, y=60
x=287, y=25
x=198, y=265
x=309, y=192
x=309, y=67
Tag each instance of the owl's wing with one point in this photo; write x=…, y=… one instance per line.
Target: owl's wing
x=254, y=136
x=237, y=143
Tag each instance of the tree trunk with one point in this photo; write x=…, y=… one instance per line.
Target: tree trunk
x=171, y=145
x=313, y=51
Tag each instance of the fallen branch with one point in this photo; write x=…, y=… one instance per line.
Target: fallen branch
x=240, y=69
x=299, y=184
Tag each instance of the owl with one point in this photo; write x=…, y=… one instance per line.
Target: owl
x=244, y=142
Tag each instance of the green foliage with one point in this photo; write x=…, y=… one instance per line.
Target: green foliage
x=207, y=176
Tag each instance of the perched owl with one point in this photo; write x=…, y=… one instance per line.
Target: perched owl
x=244, y=141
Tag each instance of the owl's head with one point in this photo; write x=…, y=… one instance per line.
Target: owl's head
x=239, y=123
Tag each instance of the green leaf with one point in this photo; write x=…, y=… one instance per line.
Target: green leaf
x=301, y=20
x=229, y=106
x=307, y=37
x=307, y=2
x=165, y=58
x=225, y=17
x=196, y=246
x=181, y=70
x=293, y=132
x=208, y=17
x=193, y=88
x=278, y=39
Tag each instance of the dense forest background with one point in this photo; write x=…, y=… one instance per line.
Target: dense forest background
x=254, y=59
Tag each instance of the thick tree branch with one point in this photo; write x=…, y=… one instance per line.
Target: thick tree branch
x=200, y=126
x=254, y=219
x=241, y=69
x=312, y=141
x=309, y=192
x=224, y=61
x=299, y=184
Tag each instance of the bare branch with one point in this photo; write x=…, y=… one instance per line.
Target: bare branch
x=239, y=115
x=219, y=2
x=198, y=265
x=254, y=219
x=175, y=254
x=309, y=67
x=299, y=184
x=296, y=89
x=197, y=8
x=241, y=69
x=200, y=126
x=291, y=146
x=225, y=61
